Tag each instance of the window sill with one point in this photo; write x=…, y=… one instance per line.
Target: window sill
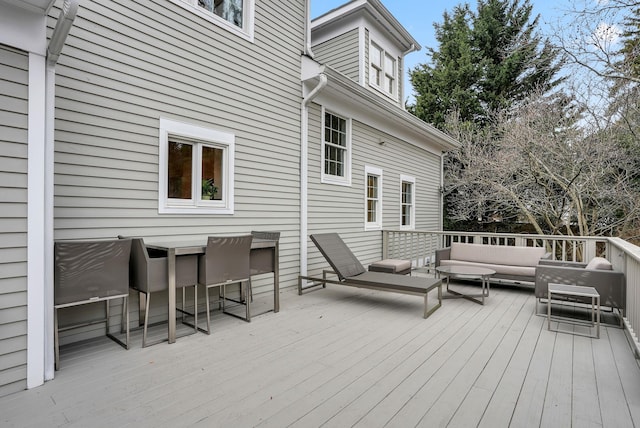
x=195, y=211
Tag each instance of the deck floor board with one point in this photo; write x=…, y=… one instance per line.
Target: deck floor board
x=340, y=357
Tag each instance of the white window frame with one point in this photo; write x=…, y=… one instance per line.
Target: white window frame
x=329, y=178
x=412, y=217
x=248, y=18
x=198, y=136
x=377, y=172
x=384, y=73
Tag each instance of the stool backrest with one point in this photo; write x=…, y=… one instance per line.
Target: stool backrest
x=227, y=258
x=85, y=270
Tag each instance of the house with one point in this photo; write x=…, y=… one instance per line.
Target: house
x=164, y=118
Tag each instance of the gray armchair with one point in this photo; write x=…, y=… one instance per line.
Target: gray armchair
x=610, y=284
x=148, y=274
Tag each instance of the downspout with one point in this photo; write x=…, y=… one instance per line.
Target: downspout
x=307, y=30
x=304, y=169
x=408, y=51
x=58, y=38
x=441, y=191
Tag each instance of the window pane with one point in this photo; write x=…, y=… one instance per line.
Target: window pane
x=335, y=137
x=406, y=215
x=229, y=10
x=372, y=186
x=389, y=66
x=376, y=56
x=212, y=170
x=407, y=202
x=371, y=211
x=179, y=174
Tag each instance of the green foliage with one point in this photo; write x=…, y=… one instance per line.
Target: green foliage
x=487, y=61
x=631, y=44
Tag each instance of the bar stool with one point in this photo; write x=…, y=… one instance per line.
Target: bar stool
x=225, y=262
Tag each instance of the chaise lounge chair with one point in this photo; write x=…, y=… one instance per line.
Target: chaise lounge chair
x=351, y=272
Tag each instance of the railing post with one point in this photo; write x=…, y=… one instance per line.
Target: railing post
x=385, y=244
x=589, y=251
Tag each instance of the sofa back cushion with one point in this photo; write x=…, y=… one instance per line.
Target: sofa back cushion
x=599, y=263
x=497, y=254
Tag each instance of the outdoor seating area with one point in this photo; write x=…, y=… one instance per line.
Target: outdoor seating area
x=103, y=270
x=347, y=356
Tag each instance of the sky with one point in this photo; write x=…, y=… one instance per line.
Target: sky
x=418, y=16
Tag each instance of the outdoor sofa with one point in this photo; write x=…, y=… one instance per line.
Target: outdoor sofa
x=513, y=265
x=352, y=273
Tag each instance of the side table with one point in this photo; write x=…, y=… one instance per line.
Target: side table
x=575, y=291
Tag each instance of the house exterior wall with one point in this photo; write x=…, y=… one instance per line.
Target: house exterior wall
x=14, y=89
x=341, y=53
x=127, y=64
x=341, y=209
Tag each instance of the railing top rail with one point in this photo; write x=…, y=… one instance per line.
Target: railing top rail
x=629, y=249
x=510, y=235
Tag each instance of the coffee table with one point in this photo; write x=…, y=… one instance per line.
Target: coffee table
x=467, y=272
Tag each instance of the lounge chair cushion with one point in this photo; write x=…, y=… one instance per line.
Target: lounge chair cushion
x=391, y=266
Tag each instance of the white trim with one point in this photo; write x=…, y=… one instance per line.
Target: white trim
x=377, y=225
x=332, y=179
x=23, y=29
x=412, y=180
x=248, y=19
x=39, y=297
x=200, y=135
x=362, y=55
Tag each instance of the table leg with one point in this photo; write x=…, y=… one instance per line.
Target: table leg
x=171, y=267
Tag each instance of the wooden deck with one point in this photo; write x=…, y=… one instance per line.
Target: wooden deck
x=344, y=357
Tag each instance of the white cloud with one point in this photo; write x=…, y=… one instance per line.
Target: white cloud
x=606, y=34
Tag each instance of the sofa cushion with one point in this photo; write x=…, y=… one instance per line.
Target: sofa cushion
x=528, y=271
x=599, y=263
x=497, y=254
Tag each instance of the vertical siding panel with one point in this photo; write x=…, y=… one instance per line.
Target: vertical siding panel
x=14, y=80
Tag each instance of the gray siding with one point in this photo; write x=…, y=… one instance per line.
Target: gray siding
x=341, y=53
x=340, y=209
x=14, y=80
x=128, y=63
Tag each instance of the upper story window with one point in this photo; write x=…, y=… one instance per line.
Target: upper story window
x=373, y=198
x=235, y=15
x=196, y=169
x=229, y=10
x=383, y=70
x=336, y=149
x=407, y=202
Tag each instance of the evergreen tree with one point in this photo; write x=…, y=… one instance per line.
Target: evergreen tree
x=487, y=61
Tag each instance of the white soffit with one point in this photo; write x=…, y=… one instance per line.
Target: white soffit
x=38, y=6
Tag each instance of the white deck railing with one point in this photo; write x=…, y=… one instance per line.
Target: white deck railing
x=420, y=246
